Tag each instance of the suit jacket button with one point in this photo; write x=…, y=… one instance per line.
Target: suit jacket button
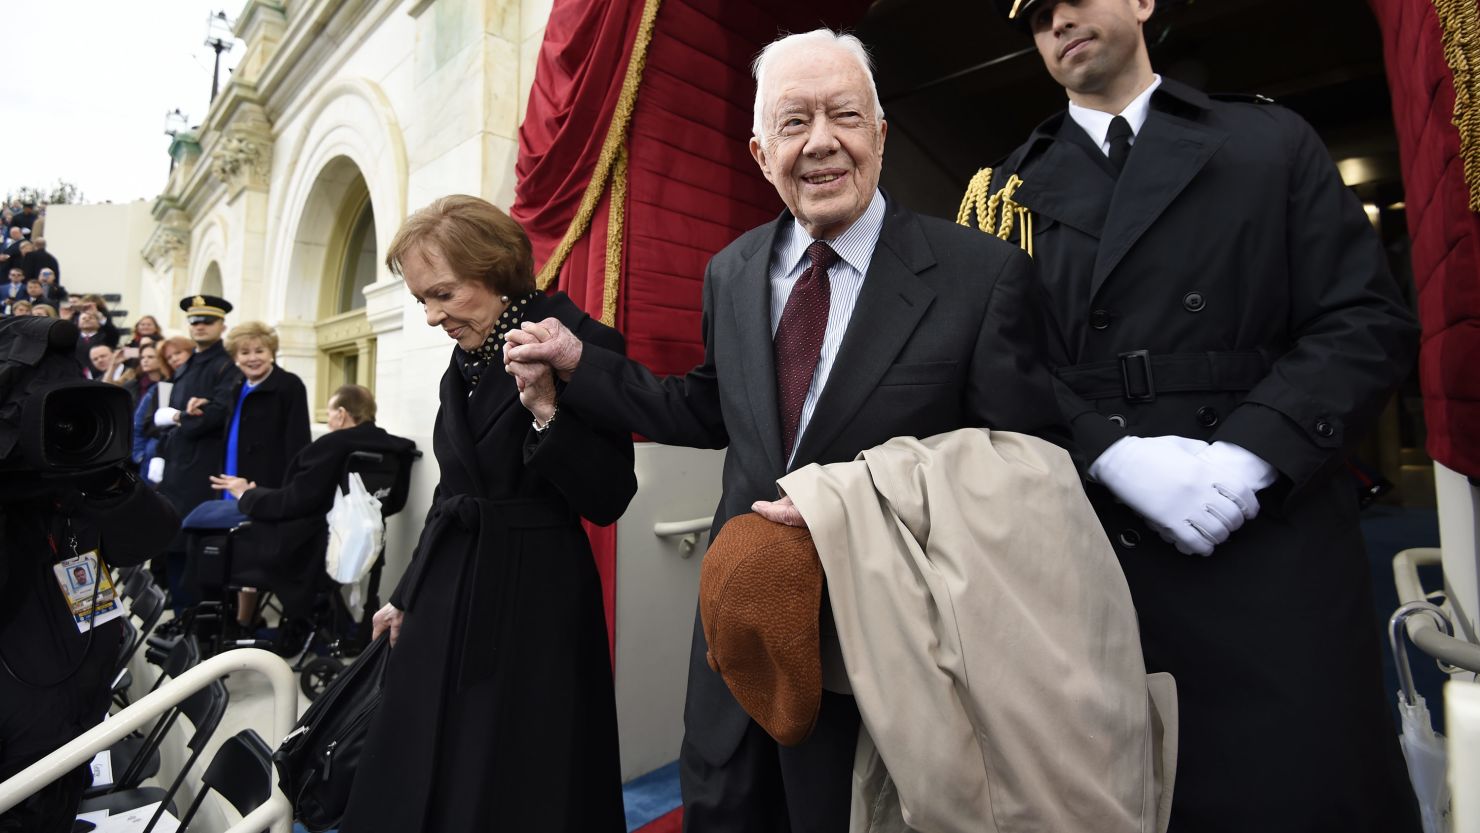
x=1207, y=417
x=1194, y=301
x=1129, y=538
x=1325, y=429
x=1118, y=419
x=1099, y=319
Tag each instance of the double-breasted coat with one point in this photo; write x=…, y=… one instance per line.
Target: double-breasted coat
x=498, y=711
x=1227, y=286
x=273, y=426
x=192, y=450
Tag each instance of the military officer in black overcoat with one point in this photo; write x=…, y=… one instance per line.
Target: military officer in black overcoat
x=1229, y=327
x=194, y=441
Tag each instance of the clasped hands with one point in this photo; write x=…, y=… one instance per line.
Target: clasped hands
x=536, y=353
x=1194, y=494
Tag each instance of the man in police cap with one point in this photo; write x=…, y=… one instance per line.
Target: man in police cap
x=1230, y=327
x=194, y=443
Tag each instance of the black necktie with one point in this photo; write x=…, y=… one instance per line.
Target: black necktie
x=1119, y=136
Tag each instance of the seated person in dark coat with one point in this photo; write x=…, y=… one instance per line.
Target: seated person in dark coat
x=289, y=533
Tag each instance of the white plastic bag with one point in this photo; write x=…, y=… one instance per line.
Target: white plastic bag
x=356, y=530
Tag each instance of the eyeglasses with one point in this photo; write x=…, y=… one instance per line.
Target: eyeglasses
x=202, y=319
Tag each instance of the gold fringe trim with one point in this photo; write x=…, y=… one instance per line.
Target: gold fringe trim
x=615, y=223
x=988, y=206
x=613, y=153
x=1459, y=23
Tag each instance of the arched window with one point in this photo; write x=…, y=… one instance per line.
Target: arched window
x=211, y=283
x=346, y=344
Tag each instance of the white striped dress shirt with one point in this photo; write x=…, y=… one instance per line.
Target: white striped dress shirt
x=855, y=248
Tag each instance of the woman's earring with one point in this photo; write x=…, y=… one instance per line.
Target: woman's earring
x=504, y=298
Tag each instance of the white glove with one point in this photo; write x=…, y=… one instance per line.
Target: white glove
x=1193, y=505
x=1243, y=464
x=165, y=417
x=156, y=470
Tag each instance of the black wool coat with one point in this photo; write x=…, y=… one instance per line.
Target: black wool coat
x=1229, y=251
x=289, y=534
x=193, y=449
x=498, y=711
x=274, y=424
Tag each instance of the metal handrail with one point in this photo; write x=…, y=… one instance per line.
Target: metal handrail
x=1424, y=631
x=687, y=532
x=277, y=811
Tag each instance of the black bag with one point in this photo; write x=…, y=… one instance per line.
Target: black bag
x=317, y=761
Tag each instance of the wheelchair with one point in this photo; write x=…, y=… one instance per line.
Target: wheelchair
x=330, y=634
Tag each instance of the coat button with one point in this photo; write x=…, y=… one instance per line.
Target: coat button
x=1194, y=301
x=1207, y=417
x=1325, y=429
x=1118, y=419
x=1129, y=538
x=1099, y=319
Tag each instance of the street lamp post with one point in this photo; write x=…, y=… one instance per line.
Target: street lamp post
x=220, y=38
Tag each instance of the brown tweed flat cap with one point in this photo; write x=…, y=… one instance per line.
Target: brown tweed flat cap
x=760, y=591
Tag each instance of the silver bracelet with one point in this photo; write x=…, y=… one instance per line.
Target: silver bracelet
x=540, y=429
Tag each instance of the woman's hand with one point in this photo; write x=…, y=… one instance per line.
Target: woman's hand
x=236, y=485
x=387, y=618
x=536, y=388
x=193, y=407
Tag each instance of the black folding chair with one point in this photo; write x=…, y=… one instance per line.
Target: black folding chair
x=183, y=656
x=203, y=709
x=240, y=772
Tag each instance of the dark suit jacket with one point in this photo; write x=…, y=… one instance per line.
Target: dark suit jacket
x=274, y=424
x=948, y=333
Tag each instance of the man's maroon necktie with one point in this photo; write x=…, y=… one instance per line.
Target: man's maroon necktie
x=799, y=339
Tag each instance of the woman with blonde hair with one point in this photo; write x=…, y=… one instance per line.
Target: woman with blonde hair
x=498, y=711
x=44, y=310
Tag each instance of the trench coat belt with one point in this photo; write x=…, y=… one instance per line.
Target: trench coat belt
x=493, y=568
x=1139, y=375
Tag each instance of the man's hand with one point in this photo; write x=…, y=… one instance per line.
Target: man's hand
x=548, y=342
x=781, y=511
x=236, y=485
x=536, y=384
x=1193, y=505
x=387, y=618
x=193, y=407
x=166, y=416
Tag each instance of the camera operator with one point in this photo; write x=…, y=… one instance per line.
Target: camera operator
x=69, y=510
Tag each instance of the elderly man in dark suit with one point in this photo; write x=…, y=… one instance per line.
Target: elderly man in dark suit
x=846, y=322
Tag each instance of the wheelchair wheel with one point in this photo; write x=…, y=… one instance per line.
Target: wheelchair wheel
x=316, y=676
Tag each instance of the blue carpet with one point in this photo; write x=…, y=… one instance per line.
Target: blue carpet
x=651, y=796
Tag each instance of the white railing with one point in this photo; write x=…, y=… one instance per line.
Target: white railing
x=276, y=812
x=687, y=532
x=1425, y=631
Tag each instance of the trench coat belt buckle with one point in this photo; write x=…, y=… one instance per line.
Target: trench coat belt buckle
x=1141, y=376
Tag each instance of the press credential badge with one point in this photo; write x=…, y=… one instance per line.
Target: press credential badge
x=78, y=578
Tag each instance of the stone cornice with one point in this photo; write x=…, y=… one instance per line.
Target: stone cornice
x=312, y=48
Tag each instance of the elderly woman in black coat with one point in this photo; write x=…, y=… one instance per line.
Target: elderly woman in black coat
x=498, y=709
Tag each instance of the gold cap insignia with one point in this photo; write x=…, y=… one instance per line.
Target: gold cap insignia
x=199, y=301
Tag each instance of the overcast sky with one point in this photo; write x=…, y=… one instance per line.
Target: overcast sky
x=90, y=82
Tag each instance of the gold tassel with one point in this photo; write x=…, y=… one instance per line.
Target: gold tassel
x=612, y=147
x=1459, y=25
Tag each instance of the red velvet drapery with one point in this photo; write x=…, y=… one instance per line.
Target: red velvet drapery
x=691, y=184
x=1445, y=232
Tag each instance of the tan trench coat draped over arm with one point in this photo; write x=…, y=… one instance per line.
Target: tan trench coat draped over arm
x=990, y=640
